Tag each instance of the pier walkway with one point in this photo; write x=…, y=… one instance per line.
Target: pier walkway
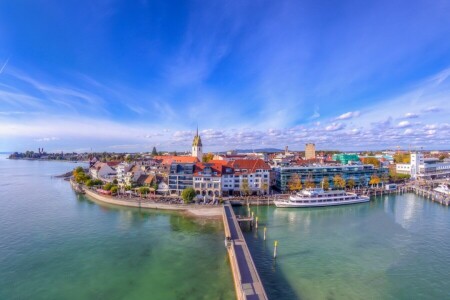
x=246, y=279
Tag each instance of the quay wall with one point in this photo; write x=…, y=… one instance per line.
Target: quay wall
x=194, y=210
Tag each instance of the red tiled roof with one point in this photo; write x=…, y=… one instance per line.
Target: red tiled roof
x=218, y=167
x=169, y=159
x=251, y=165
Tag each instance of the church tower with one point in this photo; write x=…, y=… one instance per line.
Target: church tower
x=197, y=147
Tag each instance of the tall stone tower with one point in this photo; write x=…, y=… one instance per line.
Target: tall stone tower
x=197, y=147
x=310, y=151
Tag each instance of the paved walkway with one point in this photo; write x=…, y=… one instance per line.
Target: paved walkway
x=247, y=282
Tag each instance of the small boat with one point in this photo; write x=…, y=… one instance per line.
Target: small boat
x=317, y=197
x=442, y=188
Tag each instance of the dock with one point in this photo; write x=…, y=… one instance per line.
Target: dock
x=247, y=283
x=429, y=194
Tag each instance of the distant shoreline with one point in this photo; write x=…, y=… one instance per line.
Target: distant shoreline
x=45, y=159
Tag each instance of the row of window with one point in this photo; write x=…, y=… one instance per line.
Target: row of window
x=327, y=200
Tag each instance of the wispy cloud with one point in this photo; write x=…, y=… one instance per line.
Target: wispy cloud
x=4, y=65
x=348, y=115
x=46, y=139
x=411, y=115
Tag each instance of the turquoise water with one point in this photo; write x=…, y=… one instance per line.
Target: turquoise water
x=395, y=247
x=55, y=244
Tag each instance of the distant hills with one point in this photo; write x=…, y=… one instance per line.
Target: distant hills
x=258, y=150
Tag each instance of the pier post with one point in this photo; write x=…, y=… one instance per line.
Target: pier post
x=265, y=229
x=256, y=223
x=275, y=249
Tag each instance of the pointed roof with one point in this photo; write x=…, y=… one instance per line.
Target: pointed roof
x=197, y=140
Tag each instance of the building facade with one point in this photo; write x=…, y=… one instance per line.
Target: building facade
x=426, y=168
x=361, y=174
x=207, y=179
x=310, y=151
x=180, y=177
x=247, y=176
x=346, y=158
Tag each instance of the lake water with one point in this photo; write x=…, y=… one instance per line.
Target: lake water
x=55, y=244
x=395, y=247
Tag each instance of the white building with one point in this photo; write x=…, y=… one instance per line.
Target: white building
x=419, y=167
x=253, y=173
x=103, y=171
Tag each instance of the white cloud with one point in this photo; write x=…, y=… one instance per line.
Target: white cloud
x=404, y=124
x=348, y=115
x=334, y=127
x=408, y=131
x=411, y=115
x=432, y=109
x=47, y=139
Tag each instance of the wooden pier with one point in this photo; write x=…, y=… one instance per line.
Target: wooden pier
x=247, y=283
x=429, y=194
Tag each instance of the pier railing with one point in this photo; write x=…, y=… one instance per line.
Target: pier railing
x=246, y=278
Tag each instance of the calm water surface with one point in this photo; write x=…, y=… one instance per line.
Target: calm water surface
x=395, y=247
x=57, y=245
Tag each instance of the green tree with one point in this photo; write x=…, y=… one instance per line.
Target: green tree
x=309, y=183
x=154, y=152
x=78, y=170
x=143, y=190
x=108, y=186
x=402, y=158
x=351, y=183
x=385, y=178
x=114, y=190
x=371, y=161
x=339, y=182
x=325, y=183
x=265, y=188
x=295, y=183
x=207, y=157
x=89, y=183
x=245, y=188
x=188, y=195
x=374, y=180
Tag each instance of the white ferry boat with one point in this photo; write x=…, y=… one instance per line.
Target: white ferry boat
x=319, y=197
x=443, y=188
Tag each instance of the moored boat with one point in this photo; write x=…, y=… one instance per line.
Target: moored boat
x=443, y=189
x=317, y=197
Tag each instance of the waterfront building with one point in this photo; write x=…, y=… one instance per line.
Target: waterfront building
x=310, y=151
x=361, y=174
x=121, y=171
x=425, y=168
x=180, y=177
x=104, y=171
x=346, y=158
x=197, y=147
x=251, y=175
x=207, y=178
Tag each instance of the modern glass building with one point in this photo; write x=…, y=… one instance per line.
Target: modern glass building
x=345, y=158
x=180, y=177
x=359, y=173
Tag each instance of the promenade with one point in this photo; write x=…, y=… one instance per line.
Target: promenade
x=201, y=211
x=246, y=279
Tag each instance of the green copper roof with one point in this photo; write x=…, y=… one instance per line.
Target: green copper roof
x=197, y=141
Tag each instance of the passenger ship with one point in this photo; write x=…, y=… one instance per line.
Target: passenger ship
x=319, y=197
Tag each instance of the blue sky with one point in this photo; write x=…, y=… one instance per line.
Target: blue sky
x=129, y=75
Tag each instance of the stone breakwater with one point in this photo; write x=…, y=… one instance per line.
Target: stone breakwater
x=201, y=211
